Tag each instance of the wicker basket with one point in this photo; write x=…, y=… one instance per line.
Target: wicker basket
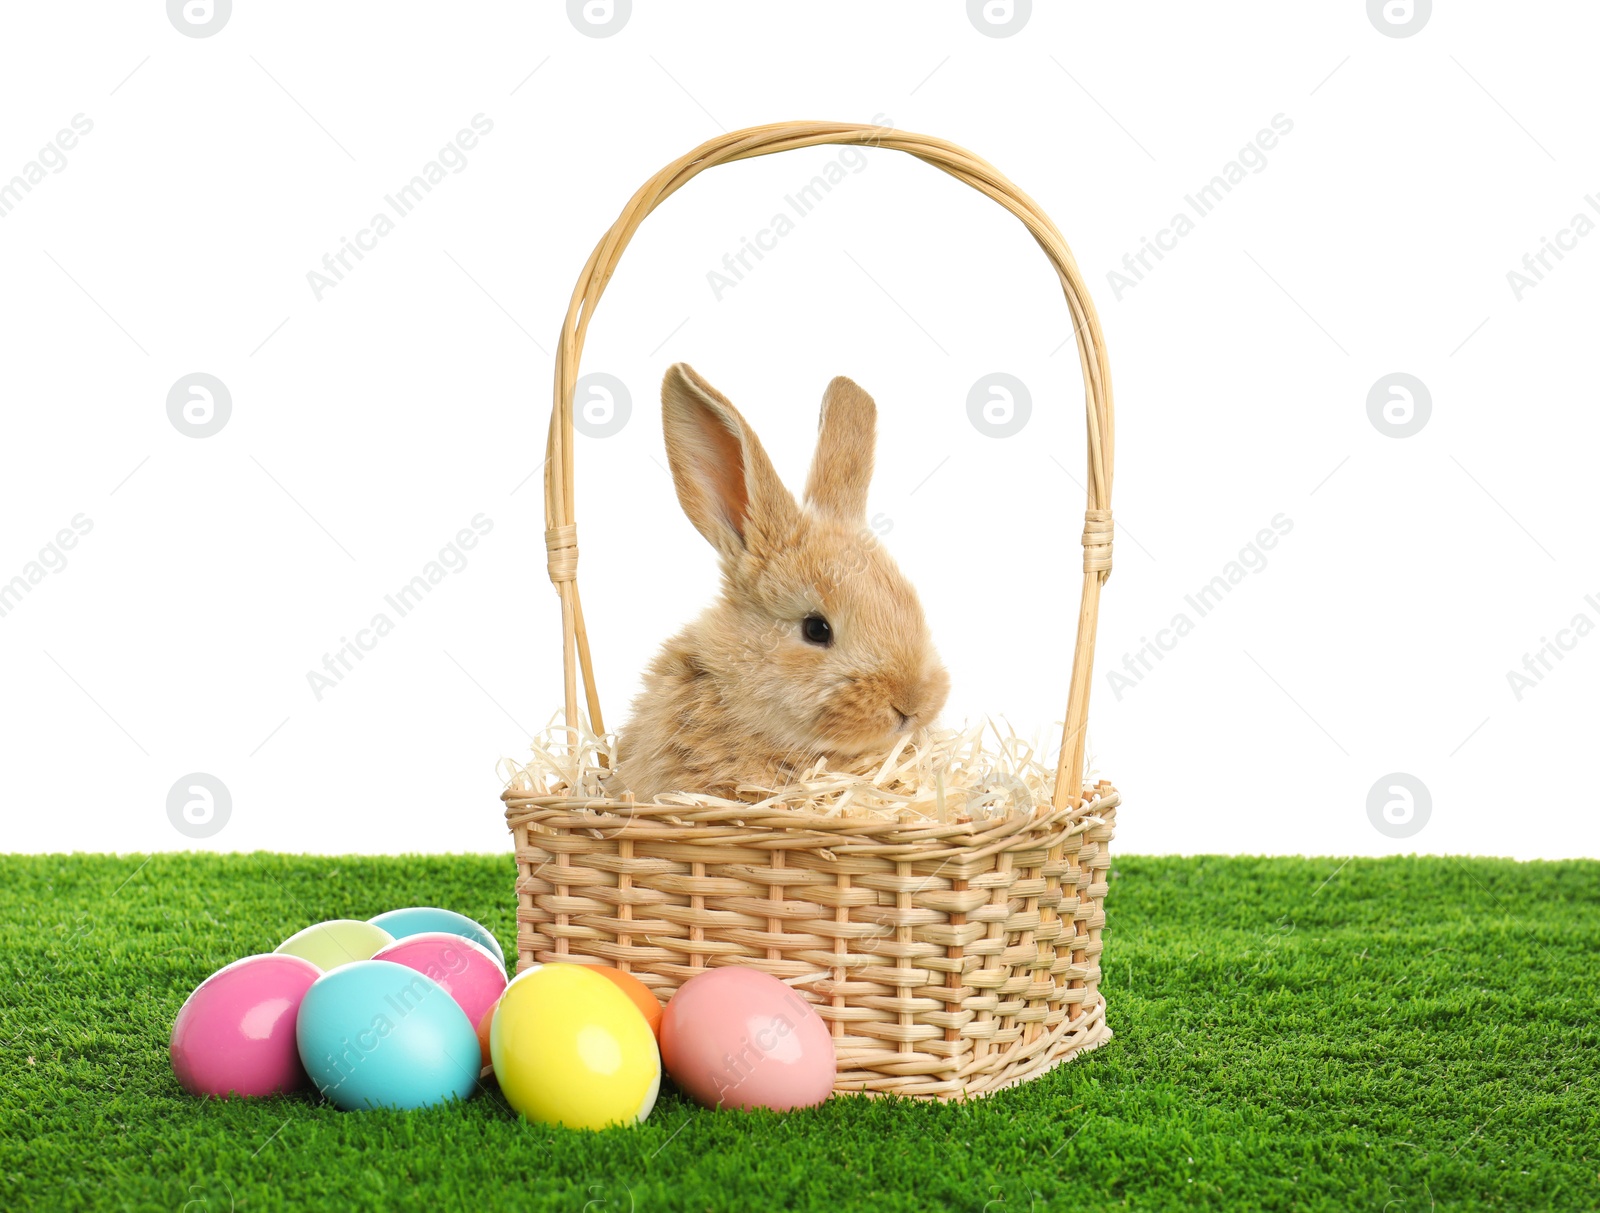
x=949, y=959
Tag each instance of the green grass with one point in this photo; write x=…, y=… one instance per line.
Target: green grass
x=1400, y=1034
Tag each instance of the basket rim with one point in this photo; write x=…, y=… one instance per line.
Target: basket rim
x=789, y=830
x=525, y=805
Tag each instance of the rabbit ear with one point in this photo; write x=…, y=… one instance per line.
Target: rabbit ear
x=841, y=470
x=725, y=481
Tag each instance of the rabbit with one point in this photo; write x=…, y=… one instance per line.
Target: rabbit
x=817, y=646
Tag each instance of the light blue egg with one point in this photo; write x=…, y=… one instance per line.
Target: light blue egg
x=375, y=1034
x=417, y=919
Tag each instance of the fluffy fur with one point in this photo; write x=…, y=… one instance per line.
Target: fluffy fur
x=740, y=696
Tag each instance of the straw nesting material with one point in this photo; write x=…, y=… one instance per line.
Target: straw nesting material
x=938, y=774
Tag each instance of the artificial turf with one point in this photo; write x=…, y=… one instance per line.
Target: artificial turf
x=1401, y=1034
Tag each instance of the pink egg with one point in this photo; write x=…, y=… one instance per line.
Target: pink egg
x=236, y=1033
x=468, y=971
x=739, y=1038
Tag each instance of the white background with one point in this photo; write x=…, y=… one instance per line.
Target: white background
x=367, y=428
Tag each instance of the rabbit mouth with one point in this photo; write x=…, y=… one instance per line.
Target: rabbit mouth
x=860, y=737
x=870, y=712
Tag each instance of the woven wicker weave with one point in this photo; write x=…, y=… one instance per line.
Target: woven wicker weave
x=948, y=959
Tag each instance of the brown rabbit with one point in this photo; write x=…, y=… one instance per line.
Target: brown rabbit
x=817, y=647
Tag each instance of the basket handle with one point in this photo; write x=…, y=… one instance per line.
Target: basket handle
x=560, y=532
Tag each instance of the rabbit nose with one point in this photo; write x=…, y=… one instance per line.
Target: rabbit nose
x=905, y=720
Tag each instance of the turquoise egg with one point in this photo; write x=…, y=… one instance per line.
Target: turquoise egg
x=375, y=1034
x=417, y=919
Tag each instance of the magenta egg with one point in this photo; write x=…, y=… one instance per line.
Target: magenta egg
x=468, y=971
x=235, y=1035
x=739, y=1038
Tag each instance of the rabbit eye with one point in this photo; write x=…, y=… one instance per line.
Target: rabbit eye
x=816, y=630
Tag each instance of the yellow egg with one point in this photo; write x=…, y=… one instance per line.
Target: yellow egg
x=570, y=1048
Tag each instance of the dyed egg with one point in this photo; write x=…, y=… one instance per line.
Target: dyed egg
x=378, y=1034
x=468, y=973
x=414, y=920
x=483, y=1038
x=336, y=942
x=488, y=1016
x=649, y=1006
x=569, y=1048
x=739, y=1038
x=235, y=1035
x=528, y=972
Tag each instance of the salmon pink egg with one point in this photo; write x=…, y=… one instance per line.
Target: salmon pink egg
x=739, y=1038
